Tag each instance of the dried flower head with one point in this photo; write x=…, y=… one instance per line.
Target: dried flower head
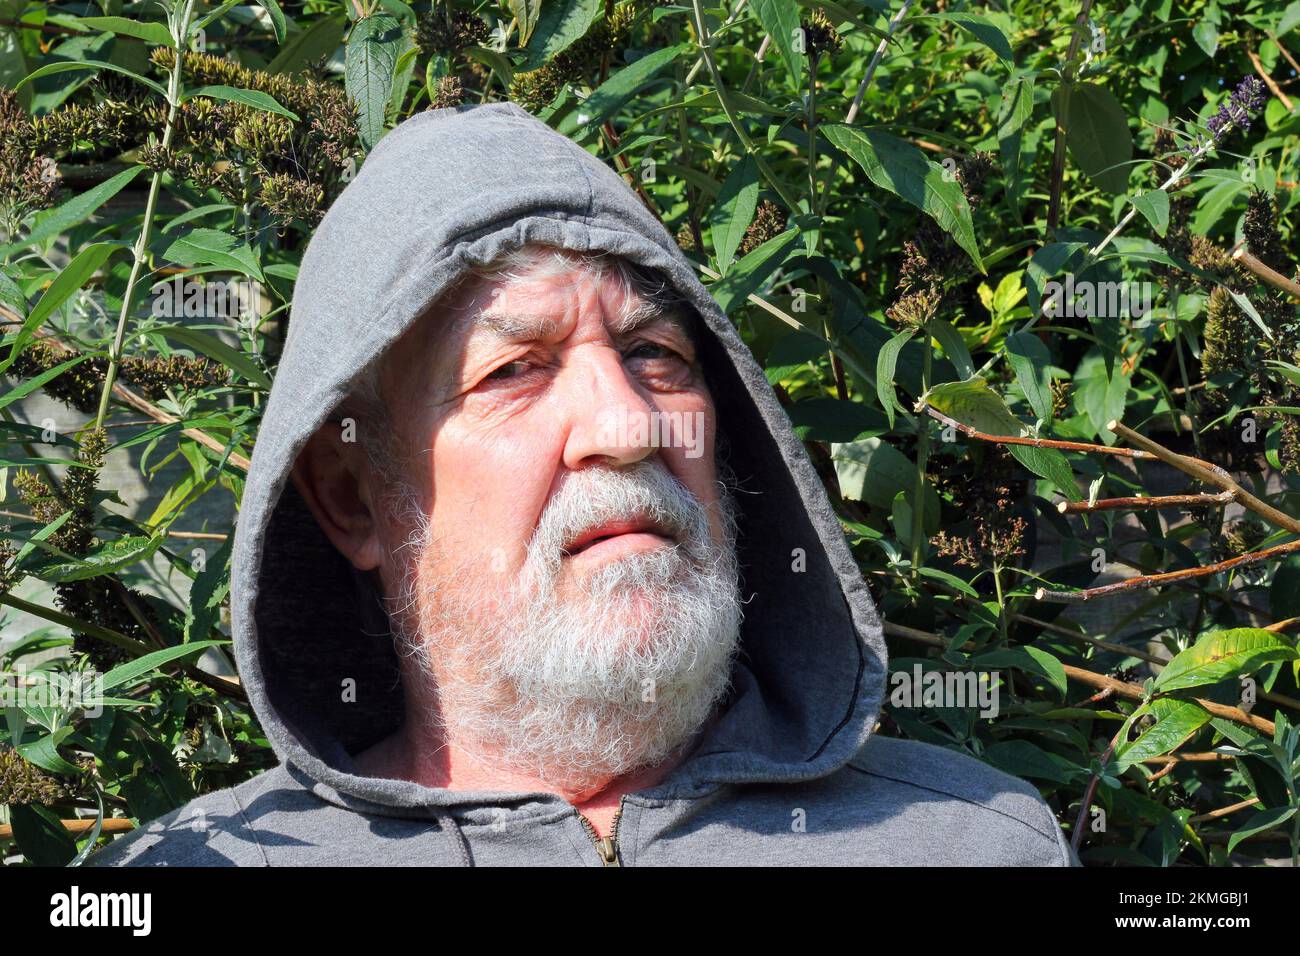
x=444, y=31
x=22, y=783
x=820, y=36
x=768, y=223
x=449, y=92
x=1228, y=342
x=1260, y=230
x=685, y=238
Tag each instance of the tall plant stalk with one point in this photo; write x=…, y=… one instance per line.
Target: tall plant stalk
x=180, y=24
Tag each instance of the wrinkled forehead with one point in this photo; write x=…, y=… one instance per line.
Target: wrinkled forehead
x=526, y=296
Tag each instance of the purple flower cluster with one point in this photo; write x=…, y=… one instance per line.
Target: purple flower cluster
x=1246, y=100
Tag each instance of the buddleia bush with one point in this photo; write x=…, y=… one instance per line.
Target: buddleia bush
x=917, y=214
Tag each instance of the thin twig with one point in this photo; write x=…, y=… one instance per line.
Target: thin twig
x=1057, y=177
x=1223, y=811
x=1098, y=681
x=1142, y=503
x=1285, y=52
x=80, y=827
x=1268, y=80
x=852, y=114
x=1208, y=473
x=926, y=408
x=1091, y=790
x=1271, y=276
x=1146, y=581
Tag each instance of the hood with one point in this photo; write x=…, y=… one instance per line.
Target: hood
x=445, y=191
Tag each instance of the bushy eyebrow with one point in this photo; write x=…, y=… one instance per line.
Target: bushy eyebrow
x=517, y=327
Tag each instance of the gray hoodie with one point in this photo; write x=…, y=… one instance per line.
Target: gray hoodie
x=789, y=773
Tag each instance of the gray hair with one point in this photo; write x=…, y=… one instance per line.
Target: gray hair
x=365, y=403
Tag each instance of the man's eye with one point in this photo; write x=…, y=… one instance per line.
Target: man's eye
x=509, y=370
x=651, y=350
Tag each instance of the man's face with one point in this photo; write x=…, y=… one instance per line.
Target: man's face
x=514, y=386
x=567, y=576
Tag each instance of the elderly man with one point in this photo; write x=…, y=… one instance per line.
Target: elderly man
x=531, y=569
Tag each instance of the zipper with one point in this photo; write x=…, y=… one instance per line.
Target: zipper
x=607, y=847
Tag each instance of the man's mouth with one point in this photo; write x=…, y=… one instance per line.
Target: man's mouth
x=615, y=538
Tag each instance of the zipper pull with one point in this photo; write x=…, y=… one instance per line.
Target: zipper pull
x=608, y=853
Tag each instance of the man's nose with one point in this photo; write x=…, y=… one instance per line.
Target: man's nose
x=610, y=421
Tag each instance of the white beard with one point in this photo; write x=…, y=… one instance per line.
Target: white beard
x=617, y=675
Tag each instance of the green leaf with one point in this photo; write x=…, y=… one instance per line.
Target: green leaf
x=1154, y=206
x=66, y=66
x=1176, y=721
x=70, y=279
x=369, y=65
x=1014, y=113
x=886, y=365
x=154, y=33
x=618, y=89
x=213, y=16
x=973, y=403
x=1048, y=463
x=780, y=18
x=40, y=836
x=215, y=349
x=734, y=210
x=1097, y=133
x=954, y=346
x=984, y=30
x=1032, y=660
x=319, y=40
x=748, y=274
x=1222, y=655
x=1030, y=360
x=278, y=24
x=561, y=24
x=526, y=12
x=254, y=98
x=903, y=170
x=106, y=558
x=44, y=752
x=212, y=247
x=12, y=296
x=1206, y=35
x=1215, y=202
x=211, y=585
x=1262, y=821
x=1101, y=396
x=872, y=471
x=76, y=210
x=1284, y=593
x=1290, y=17
x=1024, y=759
x=142, y=665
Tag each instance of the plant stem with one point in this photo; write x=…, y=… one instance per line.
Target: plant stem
x=852, y=114
x=706, y=50
x=180, y=33
x=1002, y=604
x=1058, y=151
x=922, y=460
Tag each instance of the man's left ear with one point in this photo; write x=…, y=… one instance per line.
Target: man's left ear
x=333, y=477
